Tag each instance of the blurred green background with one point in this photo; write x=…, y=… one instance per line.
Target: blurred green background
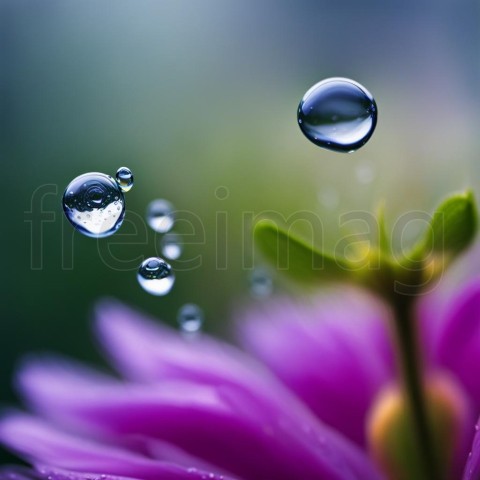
x=197, y=95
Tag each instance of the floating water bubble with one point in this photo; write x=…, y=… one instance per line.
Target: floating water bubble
x=94, y=204
x=222, y=192
x=124, y=177
x=329, y=197
x=190, y=318
x=338, y=114
x=160, y=215
x=171, y=246
x=156, y=276
x=261, y=283
x=365, y=173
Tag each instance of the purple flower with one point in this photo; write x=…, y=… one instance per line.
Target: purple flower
x=337, y=356
x=199, y=408
x=189, y=409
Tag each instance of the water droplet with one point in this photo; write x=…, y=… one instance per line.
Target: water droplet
x=329, y=198
x=222, y=192
x=365, y=173
x=160, y=215
x=190, y=318
x=338, y=114
x=156, y=276
x=124, y=177
x=85, y=199
x=171, y=246
x=261, y=283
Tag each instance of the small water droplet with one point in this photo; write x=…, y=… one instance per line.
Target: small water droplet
x=261, y=283
x=365, y=173
x=222, y=192
x=338, y=114
x=171, y=246
x=91, y=192
x=160, y=215
x=329, y=198
x=156, y=276
x=190, y=318
x=124, y=177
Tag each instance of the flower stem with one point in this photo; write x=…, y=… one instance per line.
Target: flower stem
x=412, y=373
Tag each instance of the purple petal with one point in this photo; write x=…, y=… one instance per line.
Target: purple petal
x=47, y=473
x=472, y=468
x=42, y=444
x=335, y=353
x=276, y=436
x=458, y=344
x=435, y=306
x=18, y=473
x=144, y=350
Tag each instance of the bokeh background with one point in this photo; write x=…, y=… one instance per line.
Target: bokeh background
x=199, y=99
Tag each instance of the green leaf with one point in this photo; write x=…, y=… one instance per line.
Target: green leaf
x=452, y=228
x=295, y=257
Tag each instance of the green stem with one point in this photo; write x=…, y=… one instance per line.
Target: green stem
x=412, y=372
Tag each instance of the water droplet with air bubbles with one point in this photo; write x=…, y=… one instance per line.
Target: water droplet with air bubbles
x=94, y=204
x=171, y=246
x=160, y=215
x=124, y=177
x=156, y=276
x=338, y=114
x=190, y=318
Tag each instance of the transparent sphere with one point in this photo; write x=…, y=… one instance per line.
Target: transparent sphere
x=124, y=177
x=94, y=204
x=261, y=283
x=338, y=114
x=190, y=318
x=171, y=246
x=160, y=215
x=155, y=276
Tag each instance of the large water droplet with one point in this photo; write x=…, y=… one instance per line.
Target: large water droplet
x=261, y=283
x=124, y=177
x=156, y=276
x=171, y=246
x=160, y=215
x=94, y=204
x=338, y=114
x=190, y=318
